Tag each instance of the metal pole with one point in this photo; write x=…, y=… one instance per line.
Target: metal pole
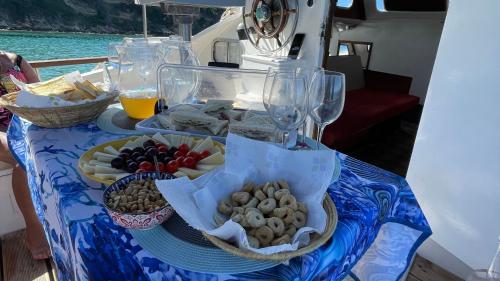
x=144, y=21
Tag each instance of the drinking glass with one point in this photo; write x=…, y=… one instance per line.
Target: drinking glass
x=286, y=101
x=326, y=98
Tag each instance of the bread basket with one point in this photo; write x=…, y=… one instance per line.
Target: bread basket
x=58, y=117
x=316, y=240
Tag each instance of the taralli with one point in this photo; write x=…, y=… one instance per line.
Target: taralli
x=285, y=239
x=252, y=210
x=291, y=230
x=252, y=203
x=238, y=210
x=219, y=219
x=268, y=212
x=241, y=197
x=270, y=192
x=277, y=225
x=280, y=193
x=253, y=242
x=265, y=235
x=267, y=206
x=259, y=194
x=289, y=216
x=302, y=207
x=237, y=217
x=249, y=187
x=300, y=219
x=255, y=219
x=283, y=184
x=288, y=201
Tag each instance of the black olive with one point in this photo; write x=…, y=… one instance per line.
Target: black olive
x=138, y=149
x=128, y=151
x=162, y=156
x=171, y=151
x=124, y=155
x=140, y=159
x=167, y=159
x=149, y=143
x=136, y=155
x=118, y=163
x=132, y=167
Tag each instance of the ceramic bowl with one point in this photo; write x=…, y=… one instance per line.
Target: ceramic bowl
x=144, y=220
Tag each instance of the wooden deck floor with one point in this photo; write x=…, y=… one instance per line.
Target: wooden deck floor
x=17, y=265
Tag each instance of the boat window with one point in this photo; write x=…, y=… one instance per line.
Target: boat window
x=227, y=50
x=354, y=48
x=416, y=5
x=380, y=6
x=344, y=3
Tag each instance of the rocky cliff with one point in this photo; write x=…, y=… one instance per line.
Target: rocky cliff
x=98, y=16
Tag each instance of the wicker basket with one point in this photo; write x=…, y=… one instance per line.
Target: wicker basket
x=316, y=240
x=58, y=117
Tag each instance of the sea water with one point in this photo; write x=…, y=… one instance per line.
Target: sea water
x=57, y=45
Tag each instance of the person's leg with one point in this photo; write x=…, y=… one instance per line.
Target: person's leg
x=37, y=243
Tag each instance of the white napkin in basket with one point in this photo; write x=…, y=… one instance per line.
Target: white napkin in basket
x=308, y=173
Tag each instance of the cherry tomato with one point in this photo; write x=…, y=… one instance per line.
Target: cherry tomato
x=184, y=147
x=161, y=167
x=179, y=153
x=140, y=171
x=146, y=165
x=189, y=162
x=162, y=148
x=179, y=161
x=194, y=155
x=205, y=154
x=172, y=167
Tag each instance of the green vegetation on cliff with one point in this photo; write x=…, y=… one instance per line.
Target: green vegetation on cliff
x=99, y=16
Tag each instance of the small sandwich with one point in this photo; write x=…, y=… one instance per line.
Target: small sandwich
x=89, y=88
x=256, y=127
x=53, y=87
x=196, y=119
x=216, y=106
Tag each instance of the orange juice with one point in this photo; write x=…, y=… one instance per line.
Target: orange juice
x=139, y=105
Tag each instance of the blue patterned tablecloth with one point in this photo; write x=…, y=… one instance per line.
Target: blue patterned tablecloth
x=380, y=223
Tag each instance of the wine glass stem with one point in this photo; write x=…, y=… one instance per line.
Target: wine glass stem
x=284, y=139
x=320, y=135
x=303, y=137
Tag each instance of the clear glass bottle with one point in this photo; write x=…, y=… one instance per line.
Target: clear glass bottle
x=494, y=269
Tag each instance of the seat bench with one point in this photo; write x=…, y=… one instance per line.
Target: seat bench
x=371, y=98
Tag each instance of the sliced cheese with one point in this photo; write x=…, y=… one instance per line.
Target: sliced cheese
x=95, y=162
x=88, y=169
x=159, y=138
x=179, y=174
x=206, y=167
x=191, y=173
x=106, y=170
x=111, y=150
x=206, y=144
x=104, y=157
x=129, y=144
x=214, y=159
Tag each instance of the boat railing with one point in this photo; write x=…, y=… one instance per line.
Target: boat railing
x=64, y=62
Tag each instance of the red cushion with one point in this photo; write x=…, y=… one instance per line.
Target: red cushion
x=365, y=108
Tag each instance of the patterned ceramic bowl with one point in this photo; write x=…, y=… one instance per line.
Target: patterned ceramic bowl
x=145, y=220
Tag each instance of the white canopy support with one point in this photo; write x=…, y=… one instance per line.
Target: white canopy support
x=144, y=21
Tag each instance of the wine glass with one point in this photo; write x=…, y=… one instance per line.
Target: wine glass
x=326, y=98
x=287, y=100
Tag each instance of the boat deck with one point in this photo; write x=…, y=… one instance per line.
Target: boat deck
x=17, y=264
